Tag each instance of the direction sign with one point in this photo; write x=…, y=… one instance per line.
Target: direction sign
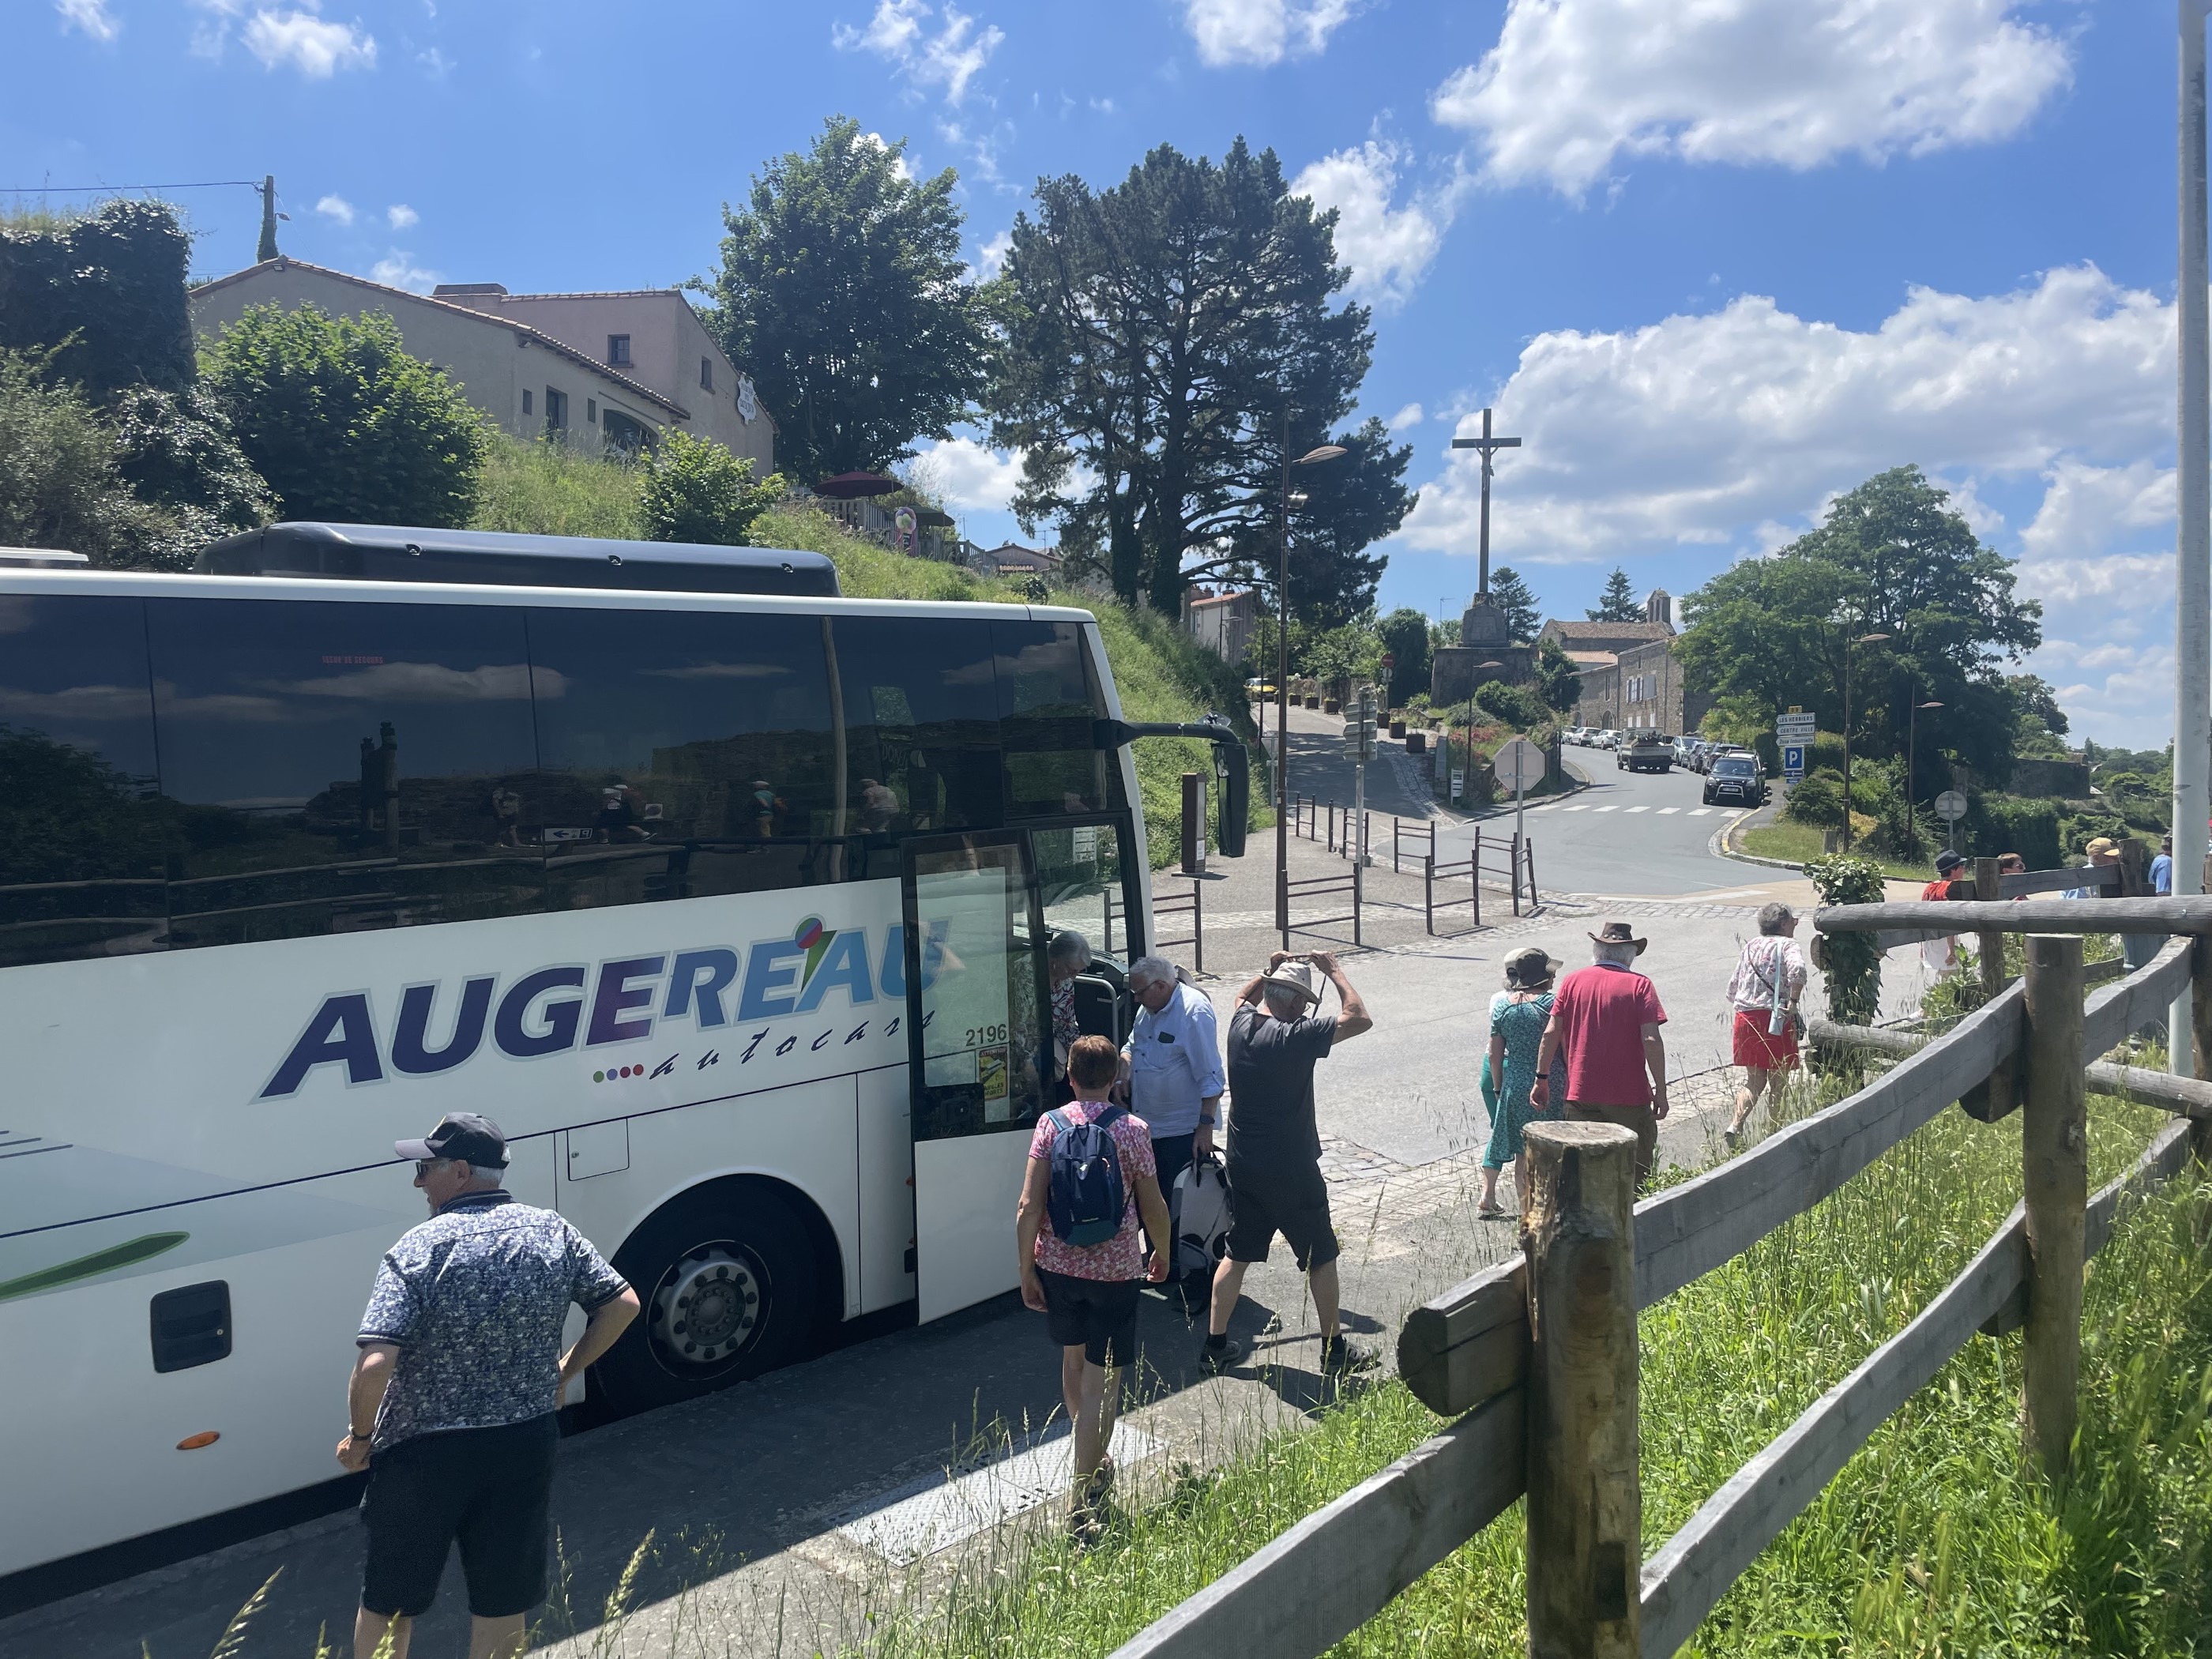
x=1794, y=728
x=1458, y=782
x=1519, y=765
x=1950, y=806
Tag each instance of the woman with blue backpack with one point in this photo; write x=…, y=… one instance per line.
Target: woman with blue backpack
x=1091, y=1178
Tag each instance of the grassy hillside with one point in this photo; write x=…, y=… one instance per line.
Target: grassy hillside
x=1159, y=672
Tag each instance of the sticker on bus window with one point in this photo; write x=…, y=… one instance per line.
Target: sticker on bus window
x=1085, y=850
x=991, y=1071
x=554, y=835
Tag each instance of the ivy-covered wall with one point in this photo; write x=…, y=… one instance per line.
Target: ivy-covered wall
x=105, y=292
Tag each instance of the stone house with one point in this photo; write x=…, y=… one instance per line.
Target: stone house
x=1596, y=649
x=1221, y=620
x=1652, y=692
x=607, y=369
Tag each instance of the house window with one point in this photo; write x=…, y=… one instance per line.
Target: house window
x=618, y=350
x=525, y=402
x=707, y=374
x=591, y=411
x=556, y=411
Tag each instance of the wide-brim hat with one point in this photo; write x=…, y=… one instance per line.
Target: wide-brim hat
x=1300, y=976
x=1530, y=965
x=1619, y=933
x=1948, y=860
x=2101, y=844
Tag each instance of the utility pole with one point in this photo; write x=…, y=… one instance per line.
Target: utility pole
x=2192, y=573
x=1489, y=447
x=267, y=192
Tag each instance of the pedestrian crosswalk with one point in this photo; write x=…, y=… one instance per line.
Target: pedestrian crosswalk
x=1661, y=811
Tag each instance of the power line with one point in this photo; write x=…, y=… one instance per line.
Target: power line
x=84, y=190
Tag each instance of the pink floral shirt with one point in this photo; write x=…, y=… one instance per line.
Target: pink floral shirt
x=1122, y=1255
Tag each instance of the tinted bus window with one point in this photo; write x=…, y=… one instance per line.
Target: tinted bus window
x=921, y=723
x=1047, y=701
x=334, y=768
x=686, y=753
x=79, y=828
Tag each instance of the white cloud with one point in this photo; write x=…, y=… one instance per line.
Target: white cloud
x=400, y=216
x=398, y=269
x=1388, y=248
x=90, y=17
x=2093, y=510
x=1261, y=32
x=1573, y=85
x=1408, y=416
x=335, y=207
x=991, y=257
x=898, y=33
x=435, y=62
x=315, y=46
x=969, y=477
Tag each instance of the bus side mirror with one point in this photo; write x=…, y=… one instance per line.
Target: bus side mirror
x=1235, y=773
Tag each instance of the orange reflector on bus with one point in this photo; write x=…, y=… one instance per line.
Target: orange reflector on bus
x=194, y=1442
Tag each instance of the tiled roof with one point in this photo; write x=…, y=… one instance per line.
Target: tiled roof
x=1637, y=632
x=535, y=336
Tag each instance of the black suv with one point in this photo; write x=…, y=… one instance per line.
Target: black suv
x=1736, y=779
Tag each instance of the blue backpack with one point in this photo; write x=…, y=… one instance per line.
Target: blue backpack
x=1086, y=1199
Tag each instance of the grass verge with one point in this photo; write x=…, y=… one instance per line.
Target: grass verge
x=1797, y=843
x=1934, y=1539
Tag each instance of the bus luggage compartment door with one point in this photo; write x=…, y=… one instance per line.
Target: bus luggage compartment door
x=978, y=1035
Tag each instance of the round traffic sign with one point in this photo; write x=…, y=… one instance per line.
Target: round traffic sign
x=1518, y=764
x=1950, y=806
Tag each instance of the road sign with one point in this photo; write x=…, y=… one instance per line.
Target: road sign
x=1458, y=782
x=1950, y=806
x=1794, y=728
x=1793, y=761
x=1519, y=765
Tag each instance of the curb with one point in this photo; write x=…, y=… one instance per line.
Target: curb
x=1719, y=847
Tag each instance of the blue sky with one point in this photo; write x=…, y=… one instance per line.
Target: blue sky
x=1712, y=271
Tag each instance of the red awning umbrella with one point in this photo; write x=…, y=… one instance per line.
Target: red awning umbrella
x=847, y=485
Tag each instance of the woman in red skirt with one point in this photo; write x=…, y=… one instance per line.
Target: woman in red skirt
x=1768, y=978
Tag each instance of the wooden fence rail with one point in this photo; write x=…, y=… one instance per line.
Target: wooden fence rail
x=1472, y=1349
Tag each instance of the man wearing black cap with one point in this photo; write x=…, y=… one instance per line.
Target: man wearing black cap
x=460, y=1373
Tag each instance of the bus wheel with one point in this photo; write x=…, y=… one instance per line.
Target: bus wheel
x=729, y=1288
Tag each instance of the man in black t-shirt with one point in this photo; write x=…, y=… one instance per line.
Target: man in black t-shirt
x=1275, y=1039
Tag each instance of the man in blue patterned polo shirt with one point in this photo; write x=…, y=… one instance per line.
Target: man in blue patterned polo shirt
x=460, y=1373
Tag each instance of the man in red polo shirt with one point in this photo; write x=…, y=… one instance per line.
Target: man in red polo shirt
x=1608, y=1017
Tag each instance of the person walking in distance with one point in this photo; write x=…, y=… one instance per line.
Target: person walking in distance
x=1606, y=1016
x=453, y=1392
x=1769, y=978
x=1172, y=1061
x=1518, y=1015
x=1276, y=1038
x=1082, y=1271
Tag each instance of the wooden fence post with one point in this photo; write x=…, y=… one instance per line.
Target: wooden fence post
x=1585, y=1498
x=2055, y=1180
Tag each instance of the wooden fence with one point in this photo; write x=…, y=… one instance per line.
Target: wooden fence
x=1547, y=1406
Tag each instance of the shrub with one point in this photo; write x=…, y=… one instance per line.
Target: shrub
x=1997, y=824
x=102, y=292
x=343, y=423
x=1818, y=799
x=2077, y=830
x=1850, y=960
x=60, y=484
x=694, y=489
x=178, y=452
x=1517, y=706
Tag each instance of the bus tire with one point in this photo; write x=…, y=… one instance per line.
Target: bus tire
x=729, y=1286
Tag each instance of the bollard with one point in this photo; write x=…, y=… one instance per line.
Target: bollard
x=2054, y=1181
x=1585, y=1495
x=1429, y=892
x=1475, y=876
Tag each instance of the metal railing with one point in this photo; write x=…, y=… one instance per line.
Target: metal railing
x=1536, y=1356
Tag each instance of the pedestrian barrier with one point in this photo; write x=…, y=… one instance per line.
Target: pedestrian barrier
x=1191, y=904
x=1322, y=889
x=1536, y=1358
x=1516, y=858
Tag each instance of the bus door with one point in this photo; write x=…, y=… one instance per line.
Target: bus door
x=979, y=1038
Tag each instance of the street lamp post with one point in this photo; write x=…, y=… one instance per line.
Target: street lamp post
x=1912, y=753
x=1323, y=452
x=1863, y=639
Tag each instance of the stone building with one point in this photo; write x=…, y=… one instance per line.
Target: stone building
x=1595, y=648
x=1222, y=621
x=1485, y=653
x=1653, y=693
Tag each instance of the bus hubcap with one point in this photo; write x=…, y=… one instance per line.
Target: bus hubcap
x=707, y=1307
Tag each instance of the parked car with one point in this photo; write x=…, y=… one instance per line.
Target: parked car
x=1736, y=779
x=1646, y=751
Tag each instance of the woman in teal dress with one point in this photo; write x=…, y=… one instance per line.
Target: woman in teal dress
x=1518, y=1017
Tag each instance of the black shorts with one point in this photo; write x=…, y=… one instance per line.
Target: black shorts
x=1291, y=1202
x=492, y=1489
x=1098, y=1316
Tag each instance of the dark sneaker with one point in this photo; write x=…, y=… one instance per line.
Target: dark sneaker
x=1343, y=1356
x=1227, y=1356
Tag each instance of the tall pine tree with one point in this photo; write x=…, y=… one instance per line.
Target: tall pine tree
x=1510, y=594
x=1618, y=602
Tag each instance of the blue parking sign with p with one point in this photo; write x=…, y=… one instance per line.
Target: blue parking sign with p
x=1793, y=760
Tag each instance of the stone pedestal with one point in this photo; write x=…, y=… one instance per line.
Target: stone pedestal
x=1458, y=670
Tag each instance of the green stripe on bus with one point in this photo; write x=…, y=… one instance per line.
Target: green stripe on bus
x=126, y=1254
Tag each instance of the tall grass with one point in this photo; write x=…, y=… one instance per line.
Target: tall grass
x=553, y=490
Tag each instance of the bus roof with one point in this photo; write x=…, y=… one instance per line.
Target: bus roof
x=368, y=552
x=146, y=584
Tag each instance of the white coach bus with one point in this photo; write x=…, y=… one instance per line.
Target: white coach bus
x=728, y=897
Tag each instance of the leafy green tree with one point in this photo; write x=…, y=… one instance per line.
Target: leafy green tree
x=1168, y=344
x=1512, y=595
x=843, y=292
x=177, y=451
x=1618, y=602
x=1519, y=706
x=1891, y=558
x=1558, y=680
x=693, y=489
x=343, y=423
x=1444, y=634
x=60, y=486
x=102, y=293
x=1405, y=635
